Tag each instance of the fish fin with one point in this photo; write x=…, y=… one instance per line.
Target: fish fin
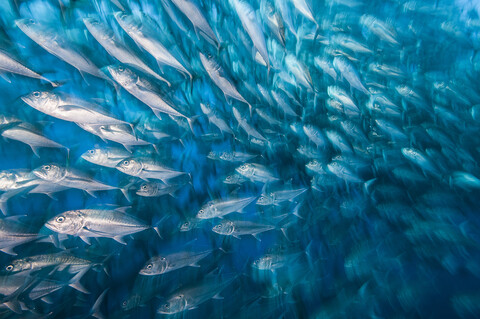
x=5, y=77
x=95, y=312
x=75, y=282
x=236, y=236
x=35, y=150
x=48, y=300
x=91, y=193
x=195, y=265
x=157, y=230
x=9, y=250
x=86, y=240
x=128, y=148
x=14, y=306
x=256, y=237
x=218, y=297
x=120, y=239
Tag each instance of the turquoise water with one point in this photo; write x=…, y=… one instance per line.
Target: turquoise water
x=239, y=159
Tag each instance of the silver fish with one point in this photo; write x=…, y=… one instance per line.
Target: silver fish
x=146, y=168
x=87, y=223
x=58, y=46
x=121, y=134
x=115, y=48
x=69, y=108
x=240, y=228
x=247, y=16
x=166, y=263
x=221, y=208
x=70, y=178
x=27, y=134
x=108, y=156
x=9, y=64
x=256, y=173
x=196, y=17
x=218, y=76
x=144, y=36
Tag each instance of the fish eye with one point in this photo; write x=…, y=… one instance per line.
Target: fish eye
x=149, y=266
x=201, y=212
x=9, y=268
x=121, y=68
x=163, y=259
x=46, y=167
x=144, y=187
x=167, y=306
x=229, y=178
x=91, y=152
x=124, y=303
x=31, y=21
x=60, y=219
x=125, y=162
x=36, y=94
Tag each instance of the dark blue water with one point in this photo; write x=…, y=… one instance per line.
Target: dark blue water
x=372, y=110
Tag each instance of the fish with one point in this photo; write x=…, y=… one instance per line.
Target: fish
x=256, y=173
x=107, y=156
x=69, y=108
x=280, y=196
x=157, y=189
x=58, y=46
x=219, y=77
x=191, y=297
x=104, y=35
x=13, y=234
x=163, y=264
x=27, y=134
x=101, y=223
x=146, y=168
x=9, y=64
x=70, y=178
x=242, y=122
x=237, y=228
x=193, y=13
x=220, y=208
x=215, y=118
x=144, y=91
x=143, y=33
x=121, y=134
x=247, y=16
x=230, y=156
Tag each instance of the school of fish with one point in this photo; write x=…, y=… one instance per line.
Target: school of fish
x=239, y=159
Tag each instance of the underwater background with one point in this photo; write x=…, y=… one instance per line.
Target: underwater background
x=239, y=159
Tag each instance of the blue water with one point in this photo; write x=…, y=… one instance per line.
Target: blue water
x=378, y=233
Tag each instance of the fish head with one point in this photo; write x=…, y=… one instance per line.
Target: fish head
x=130, y=166
x=265, y=199
x=132, y=302
x=313, y=165
x=212, y=155
x=124, y=76
x=69, y=222
x=245, y=169
x=205, y=108
x=186, y=226
x=155, y=266
x=205, y=212
x=174, y=305
x=226, y=156
x=224, y=228
x=50, y=172
x=96, y=28
x=17, y=266
x=128, y=22
x=30, y=28
x=94, y=155
x=147, y=189
x=42, y=101
x=263, y=263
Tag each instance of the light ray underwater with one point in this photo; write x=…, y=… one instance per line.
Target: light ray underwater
x=239, y=159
